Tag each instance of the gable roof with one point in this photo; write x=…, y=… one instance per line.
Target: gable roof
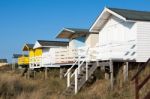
x=18, y=55
x=28, y=47
x=3, y=60
x=68, y=33
x=46, y=43
x=78, y=30
x=132, y=14
x=124, y=14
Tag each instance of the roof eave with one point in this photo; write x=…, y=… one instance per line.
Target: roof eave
x=61, y=32
x=24, y=48
x=37, y=45
x=100, y=16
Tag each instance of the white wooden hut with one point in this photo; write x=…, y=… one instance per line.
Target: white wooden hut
x=124, y=37
x=50, y=56
x=123, y=34
x=79, y=39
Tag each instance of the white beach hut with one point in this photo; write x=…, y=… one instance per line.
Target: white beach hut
x=123, y=34
x=50, y=57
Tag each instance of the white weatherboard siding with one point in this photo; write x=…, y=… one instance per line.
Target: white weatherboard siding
x=55, y=55
x=72, y=43
x=77, y=42
x=112, y=38
x=46, y=56
x=143, y=41
x=91, y=40
x=49, y=57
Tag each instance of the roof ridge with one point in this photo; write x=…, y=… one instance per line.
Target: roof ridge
x=128, y=9
x=51, y=41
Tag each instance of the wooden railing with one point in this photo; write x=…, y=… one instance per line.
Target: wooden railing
x=139, y=86
x=66, y=55
x=61, y=56
x=118, y=50
x=23, y=60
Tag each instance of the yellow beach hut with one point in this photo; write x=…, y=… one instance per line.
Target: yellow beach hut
x=32, y=53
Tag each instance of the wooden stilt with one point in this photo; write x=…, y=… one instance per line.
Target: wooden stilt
x=28, y=76
x=136, y=88
x=45, y=72
x=106, y=76
x=61, y=73
x=111, y=74
x=125, y=71
x=34, y=73
x=13, y=64
x=68, y=79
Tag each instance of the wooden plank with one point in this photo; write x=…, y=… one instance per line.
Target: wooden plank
x=28, y=75
x=136, y=88
x=125, y=71
x=144, y=82
x=45, y=73
x=111, y=74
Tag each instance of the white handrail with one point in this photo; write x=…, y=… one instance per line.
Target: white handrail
x=70, y=68
x=77, y=70
x=81, y=63
x=79, y=57
x=78, y=67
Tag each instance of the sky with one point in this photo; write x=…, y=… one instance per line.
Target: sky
x=25, y=21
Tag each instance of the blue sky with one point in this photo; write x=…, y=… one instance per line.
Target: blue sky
x=25, y=21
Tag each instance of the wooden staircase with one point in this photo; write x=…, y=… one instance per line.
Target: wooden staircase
x=138, y=86
x=81, y=78
x=77, y=77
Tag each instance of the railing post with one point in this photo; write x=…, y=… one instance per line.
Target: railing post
x=78, y=64
x=68, y=78
x=87, y=71
x=67, y=54
x=76, y=81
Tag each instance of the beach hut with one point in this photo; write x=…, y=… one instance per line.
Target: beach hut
x=15, y=59
x=3, y=62
x=32, y=54
x=124, y=38
x=23, y=60
x=123, y=34
x=50, y=56
x=79, y=39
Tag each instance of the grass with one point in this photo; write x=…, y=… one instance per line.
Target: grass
x=13, y=86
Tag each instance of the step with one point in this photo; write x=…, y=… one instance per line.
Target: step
x=103, y=63
x=84, y=68
x=82, y=78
